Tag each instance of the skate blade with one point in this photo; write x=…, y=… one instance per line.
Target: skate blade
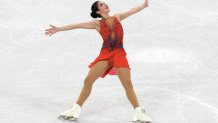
x=67, y=118
x=141, y=121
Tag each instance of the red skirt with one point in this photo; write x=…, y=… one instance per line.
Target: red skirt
x=116, y=58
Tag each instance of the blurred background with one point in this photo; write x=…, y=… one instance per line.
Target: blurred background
x=171, y=46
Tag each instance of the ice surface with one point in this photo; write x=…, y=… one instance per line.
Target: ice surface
x=172, y=48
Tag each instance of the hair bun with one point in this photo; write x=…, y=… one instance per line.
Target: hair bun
x=94, y=15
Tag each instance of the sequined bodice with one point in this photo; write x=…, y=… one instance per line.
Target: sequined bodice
x=112, y=33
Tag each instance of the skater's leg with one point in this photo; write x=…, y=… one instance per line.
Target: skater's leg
x=139, y=112
x=125, y=78
x=95, y=71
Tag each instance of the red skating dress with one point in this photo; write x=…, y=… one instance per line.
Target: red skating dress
x=112, y=47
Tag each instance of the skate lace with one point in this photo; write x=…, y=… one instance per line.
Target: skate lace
x=143, y=110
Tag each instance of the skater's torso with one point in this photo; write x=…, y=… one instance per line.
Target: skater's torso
x=98, y=24
x=111, y=32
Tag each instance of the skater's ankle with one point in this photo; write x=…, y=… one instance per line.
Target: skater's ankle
x=136, y=107
x=79, y=104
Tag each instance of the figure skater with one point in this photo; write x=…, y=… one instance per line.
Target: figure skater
x=111, y=59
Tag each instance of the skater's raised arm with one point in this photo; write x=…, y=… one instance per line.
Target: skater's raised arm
x=85, y=25
x=124, y=15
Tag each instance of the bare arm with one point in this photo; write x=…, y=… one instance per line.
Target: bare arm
x=85, y=25
x=124, y=15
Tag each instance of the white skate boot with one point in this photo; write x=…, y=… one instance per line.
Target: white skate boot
x=71, y=114
x=139, y=116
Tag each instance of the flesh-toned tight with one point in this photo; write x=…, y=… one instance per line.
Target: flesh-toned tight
x=96, y=71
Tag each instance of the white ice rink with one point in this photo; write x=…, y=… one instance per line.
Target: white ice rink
x=171, y=46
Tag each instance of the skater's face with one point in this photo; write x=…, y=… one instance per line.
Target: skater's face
x=103, y=7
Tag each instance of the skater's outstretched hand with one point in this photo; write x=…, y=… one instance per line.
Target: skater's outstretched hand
x=123, y=15
x=52, y=30
x=146, y=3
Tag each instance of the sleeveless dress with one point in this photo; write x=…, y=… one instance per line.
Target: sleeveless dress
x=112, y=48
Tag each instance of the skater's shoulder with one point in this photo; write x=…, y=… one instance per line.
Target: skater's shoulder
x=97, y=21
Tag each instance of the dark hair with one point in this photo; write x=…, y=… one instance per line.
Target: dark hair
x=94, y=8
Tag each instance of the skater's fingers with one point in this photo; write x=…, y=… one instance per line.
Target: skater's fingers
x=52, y=26
x=47, y=33
x=47, y=29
